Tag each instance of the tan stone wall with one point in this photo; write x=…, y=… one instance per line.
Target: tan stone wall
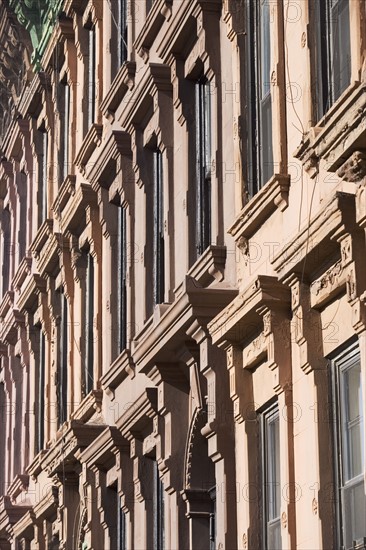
x=256, y=319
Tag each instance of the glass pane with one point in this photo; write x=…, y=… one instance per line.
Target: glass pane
x=354, y=512
x=266, y=139
x=352, y=422
x=274, y=535
x=265, y=48
x=341, y=47
x=272, y=476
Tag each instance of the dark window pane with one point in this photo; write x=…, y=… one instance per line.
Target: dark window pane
x=89, y=327
x=159, y=259
x=158, y=504
x=203, y=156
x=63, y=359
x=41, y=388
x=91, y=77
x=121, y=278
x=340, y=47
x=271, y=478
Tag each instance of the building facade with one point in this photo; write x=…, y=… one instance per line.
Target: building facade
x=183, y=286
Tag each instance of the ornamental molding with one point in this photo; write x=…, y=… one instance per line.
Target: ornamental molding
x=317, y=241
x=338, y=136
x=273, y=196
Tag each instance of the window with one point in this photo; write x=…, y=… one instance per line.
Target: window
x=91, y=76
x=65, y=130
x=89, y=326
x=122, y=31
x=121, y=526
x=23, y=198
x=121, y=279
x=158, y=275
x=258, y=91
x=158, y=509
x=350, y=443
x=115, y=518
x=271, y=485
x=41, y=389
x=6, y=249
x=62, y=378
x=332, y=49
x=42, y=176
x=212, y=493
x=203, y=165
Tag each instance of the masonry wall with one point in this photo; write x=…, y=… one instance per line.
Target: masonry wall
x=175, y=330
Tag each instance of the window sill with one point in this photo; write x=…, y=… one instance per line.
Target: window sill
x=273, y=196
x=339, y=138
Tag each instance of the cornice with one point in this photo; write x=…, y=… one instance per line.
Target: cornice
x=157, y=77
x=10, y=513
x=120, y=369
x=47, y=507
x=103, y=172
x=160, y=11
x=90, y=405
x=91, y=141
x=24, y=527
x=102, y=451
x=273, y=196
x=71, y=210
x=167, y=332
x=23, y=271
x=28, y=298
x=243, y=315
x=133, y=421
x=338, y=135
x=308, y=249
x=61, y=456
x=123, y=81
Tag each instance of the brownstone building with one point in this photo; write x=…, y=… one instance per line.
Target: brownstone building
x=183, y=286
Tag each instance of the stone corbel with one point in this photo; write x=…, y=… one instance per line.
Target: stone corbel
x=306, y=329
x=124, y=469
x=172, y=385
x=66, y=270
x=237, y=376
x=234, y=17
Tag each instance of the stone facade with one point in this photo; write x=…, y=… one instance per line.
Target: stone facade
x=183, y=286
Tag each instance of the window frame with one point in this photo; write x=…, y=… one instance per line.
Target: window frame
x=203, y=137
x=89, y=310
x=65, y=120
x=158, y=510
x=257, y=177
x=121, y=278
x=42, y=158
x=158, y=229
x=91, y=74
x=41, y=386
x=324, y=54
x=339, y=364
x=270, y=413
x=62, y=366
